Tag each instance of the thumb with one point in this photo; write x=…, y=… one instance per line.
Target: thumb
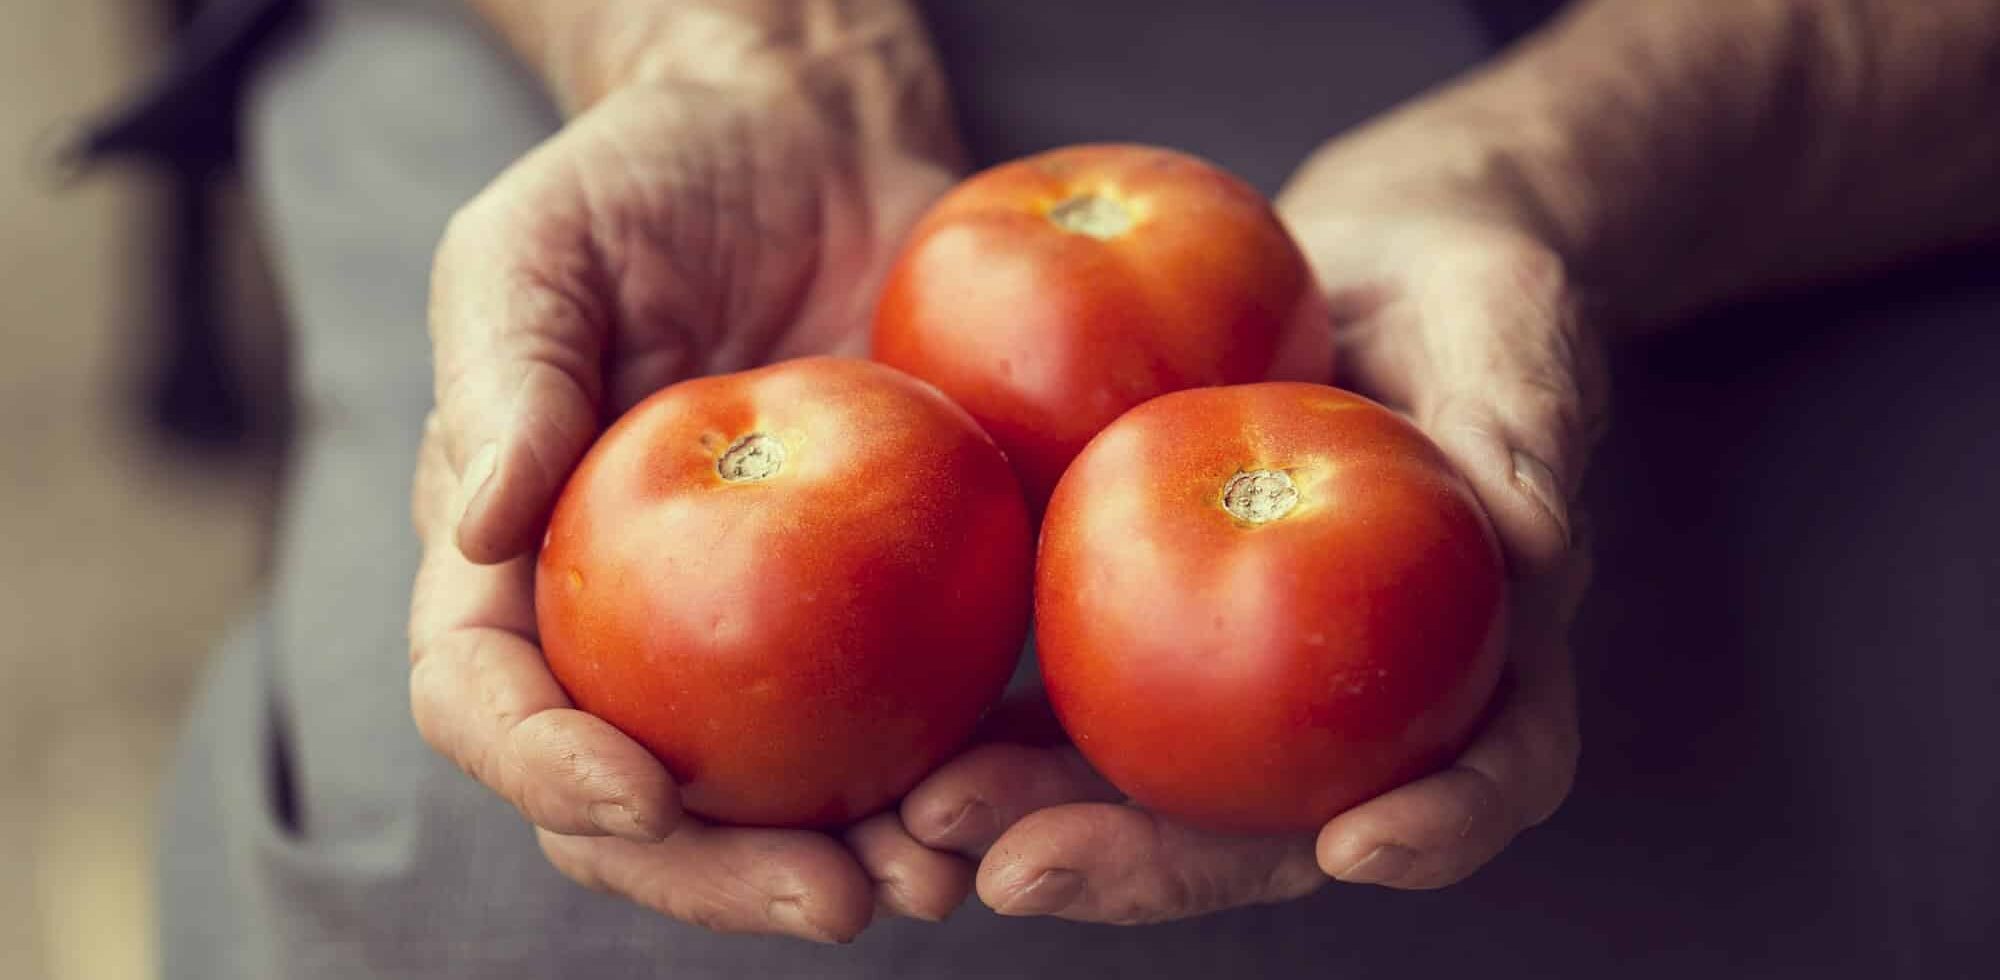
x=518, y=337
x=1520, y=468
x=1510, y=387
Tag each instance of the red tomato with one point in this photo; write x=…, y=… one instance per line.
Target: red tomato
x=798, y=586
x=1050, y=295
x=1257, y=606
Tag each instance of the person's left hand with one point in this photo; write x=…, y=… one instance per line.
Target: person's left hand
x=1462, y=318
x=673, y=229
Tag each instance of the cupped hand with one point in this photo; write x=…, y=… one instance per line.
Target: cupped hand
x=1451, y=309
x=666, y=232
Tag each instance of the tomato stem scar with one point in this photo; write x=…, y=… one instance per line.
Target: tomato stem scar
x=753, y=457
x=1099, y=217
x=1259, y=496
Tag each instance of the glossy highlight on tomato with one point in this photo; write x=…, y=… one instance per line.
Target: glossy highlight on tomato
x=1257, y=606
x=798, y=586
x=1051, y=294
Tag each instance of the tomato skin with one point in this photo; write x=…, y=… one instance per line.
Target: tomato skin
x=800, y=649
x=1046, y=335
x=1261, y=678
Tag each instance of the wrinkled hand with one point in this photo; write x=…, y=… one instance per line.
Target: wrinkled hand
x=662, y=234
x=1464, y=320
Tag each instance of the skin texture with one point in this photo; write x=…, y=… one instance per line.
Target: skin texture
x=1677, y=155
x=688, y=220
x=798, y=646
x=1297, y=665
x=731, y=189
x=1625, y=167
x=1051, y=294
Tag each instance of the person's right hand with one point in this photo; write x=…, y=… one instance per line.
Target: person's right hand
x=669, y=231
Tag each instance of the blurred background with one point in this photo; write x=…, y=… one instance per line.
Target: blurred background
x=136, y=483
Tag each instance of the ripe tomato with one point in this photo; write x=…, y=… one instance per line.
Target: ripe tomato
x=1051, y=294
x=1257, y=606
x=798, y=586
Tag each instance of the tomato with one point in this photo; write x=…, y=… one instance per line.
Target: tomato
x=798, y=586
x=1257, y=606
x=1051, y=294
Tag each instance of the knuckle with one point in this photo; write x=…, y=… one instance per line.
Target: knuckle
x=1501, y=261
x=1291, y=877
x=553, y=314
x=1485, y=808
x=463, y=225
x=1536, y=271
x=1546, y=399
x=426, y=597
x=1172, y=896
x=456, y=405
x=703, y=913
x=422, y=647
x=550, y=752
x=1455, y=410
x=1488, y=799
x=427, y=697
x=1136, y=911
x=462, y=732
x=550, y=439
x=895, y=887
x=461, y=229
x=716, y=909
x=1178, y=894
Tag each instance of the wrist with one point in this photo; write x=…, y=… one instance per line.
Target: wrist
x=1651, y=149
x=1654, y=148
x=868, y=64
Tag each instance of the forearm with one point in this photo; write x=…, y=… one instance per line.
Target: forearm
x=868, y=61
x=1680, y=153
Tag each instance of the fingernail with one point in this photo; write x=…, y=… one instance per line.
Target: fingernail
x=790, y=915
x=1535, y=477
x=1051, y=891
x=478, y=472
x=620, y=820
x=892, y=897
x=1386, y=862
x=970, y=820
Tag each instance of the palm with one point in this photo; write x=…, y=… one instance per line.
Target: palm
x=695, y=236
x=1468, y=327
x=661, y=235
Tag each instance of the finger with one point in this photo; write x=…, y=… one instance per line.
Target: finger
x=433, y=485
x=482, y=696
x=970, y=801
x=1440, y=829
x=1507, y=395
x=1487, y=349
x=525, y=293
x=910, y=879
x=519, y=331
x=1506, y=462
x=483, y=699
x=1097, y=862
x=784, y=882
